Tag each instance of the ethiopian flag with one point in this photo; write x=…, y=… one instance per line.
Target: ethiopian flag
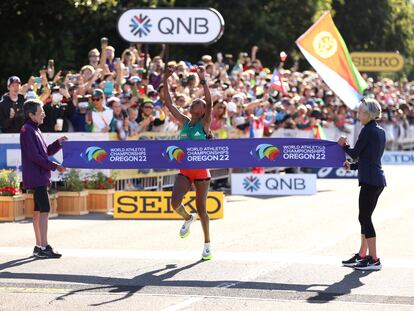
x=325, y=50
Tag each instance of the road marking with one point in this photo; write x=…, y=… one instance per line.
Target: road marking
x=294, y=257
x=194, y=297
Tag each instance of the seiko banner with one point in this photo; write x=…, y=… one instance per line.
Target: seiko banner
x=398, y=157
x=273, y=184
x=157, y=205
x=193, y=26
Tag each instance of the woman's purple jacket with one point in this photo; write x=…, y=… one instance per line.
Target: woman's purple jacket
x=36, y=166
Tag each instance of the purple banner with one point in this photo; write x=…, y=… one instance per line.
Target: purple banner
x=220, y=153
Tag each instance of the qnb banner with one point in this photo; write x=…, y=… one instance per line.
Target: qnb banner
x=173, y=25
x=273, y=184
x=223, y=153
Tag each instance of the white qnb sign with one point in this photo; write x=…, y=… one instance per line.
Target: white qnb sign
x=191, y=26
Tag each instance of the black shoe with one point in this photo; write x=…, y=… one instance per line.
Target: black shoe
x=368, y=263
x=39, y=253
x=51, y=253
x=352, y=261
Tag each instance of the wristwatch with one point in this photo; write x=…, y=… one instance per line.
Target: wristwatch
x=203, y=82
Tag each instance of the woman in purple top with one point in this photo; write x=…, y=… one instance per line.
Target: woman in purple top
x=36, y=169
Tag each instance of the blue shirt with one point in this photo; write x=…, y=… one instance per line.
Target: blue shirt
x=368, y=150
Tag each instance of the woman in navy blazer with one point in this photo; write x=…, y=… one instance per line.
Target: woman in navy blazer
x=368, y=151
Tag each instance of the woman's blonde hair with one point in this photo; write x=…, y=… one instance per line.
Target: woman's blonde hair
x=371, y=107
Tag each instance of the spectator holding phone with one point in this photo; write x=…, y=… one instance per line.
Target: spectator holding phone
x=58, y=111
x=11, y=107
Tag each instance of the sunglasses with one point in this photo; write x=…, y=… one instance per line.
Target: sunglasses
x=96, y=99
x=148, y=107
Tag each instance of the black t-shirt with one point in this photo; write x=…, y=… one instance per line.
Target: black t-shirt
x=7, y=124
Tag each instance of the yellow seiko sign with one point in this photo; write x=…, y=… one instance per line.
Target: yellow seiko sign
x=377, y=61
x=157, y=205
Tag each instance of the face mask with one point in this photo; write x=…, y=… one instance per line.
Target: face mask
x=83, y=105
x=56, y=97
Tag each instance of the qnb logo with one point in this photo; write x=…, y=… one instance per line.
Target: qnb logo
x=174, y=153
x=96, y=154
x=267, y=151
x=140, y=25
x=251, y=183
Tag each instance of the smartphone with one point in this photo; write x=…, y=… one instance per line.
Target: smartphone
x=51, y=63
x=220, y=57
x=38, y=80
x=108, y=87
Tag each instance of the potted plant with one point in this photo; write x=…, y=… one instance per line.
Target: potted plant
x=72, y=198
x=11, y=199
x=101, y=189
x=29, y=203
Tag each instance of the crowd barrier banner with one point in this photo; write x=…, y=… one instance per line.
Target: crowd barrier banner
x=273, y=184
x=333, y=173
x=398, y=157
x=157, y=205
x=222, y=153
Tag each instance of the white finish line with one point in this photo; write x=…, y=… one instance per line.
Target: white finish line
x=272, y=257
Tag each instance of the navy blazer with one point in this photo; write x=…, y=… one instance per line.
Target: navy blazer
x=369, y=149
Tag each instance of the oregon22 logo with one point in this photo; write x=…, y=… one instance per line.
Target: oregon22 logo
x=174, y=153
x=96, y=154
x=267, y=151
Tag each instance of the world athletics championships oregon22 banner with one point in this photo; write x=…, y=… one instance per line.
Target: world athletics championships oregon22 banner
x=221, y=153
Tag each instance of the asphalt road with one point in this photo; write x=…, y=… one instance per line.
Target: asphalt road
x=270, y=253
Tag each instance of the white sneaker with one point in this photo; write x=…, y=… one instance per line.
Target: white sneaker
x=185, y=228
x=206, y=255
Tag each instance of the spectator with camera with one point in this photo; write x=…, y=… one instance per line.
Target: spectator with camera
x=11, y=107
x=120, y=117
x=78, y=117
x=58, y=111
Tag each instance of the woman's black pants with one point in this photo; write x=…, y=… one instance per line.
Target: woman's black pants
x=368, y=198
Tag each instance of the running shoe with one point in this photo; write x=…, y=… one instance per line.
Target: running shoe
x=39, y=253
x=51, y=253
x=206, y=255
x=352, y=261
x=185, y=228
x=368, y=263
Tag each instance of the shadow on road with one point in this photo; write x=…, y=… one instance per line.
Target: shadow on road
x=343, y=287
x=129, y=287
x=17, y=262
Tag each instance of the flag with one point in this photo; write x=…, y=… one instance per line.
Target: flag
x=325, y=50
x=277, y=83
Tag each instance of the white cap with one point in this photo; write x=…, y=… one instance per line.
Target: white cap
x=231, y=107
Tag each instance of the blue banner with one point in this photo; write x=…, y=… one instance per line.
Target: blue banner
x=221, y=153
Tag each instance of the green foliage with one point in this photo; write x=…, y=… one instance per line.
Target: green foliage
x=72, y=181
x=377, y=26
x=9, y=183
x=99, y=181
x=32, y=32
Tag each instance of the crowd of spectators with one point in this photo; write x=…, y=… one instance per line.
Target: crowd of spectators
x=123, y=95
